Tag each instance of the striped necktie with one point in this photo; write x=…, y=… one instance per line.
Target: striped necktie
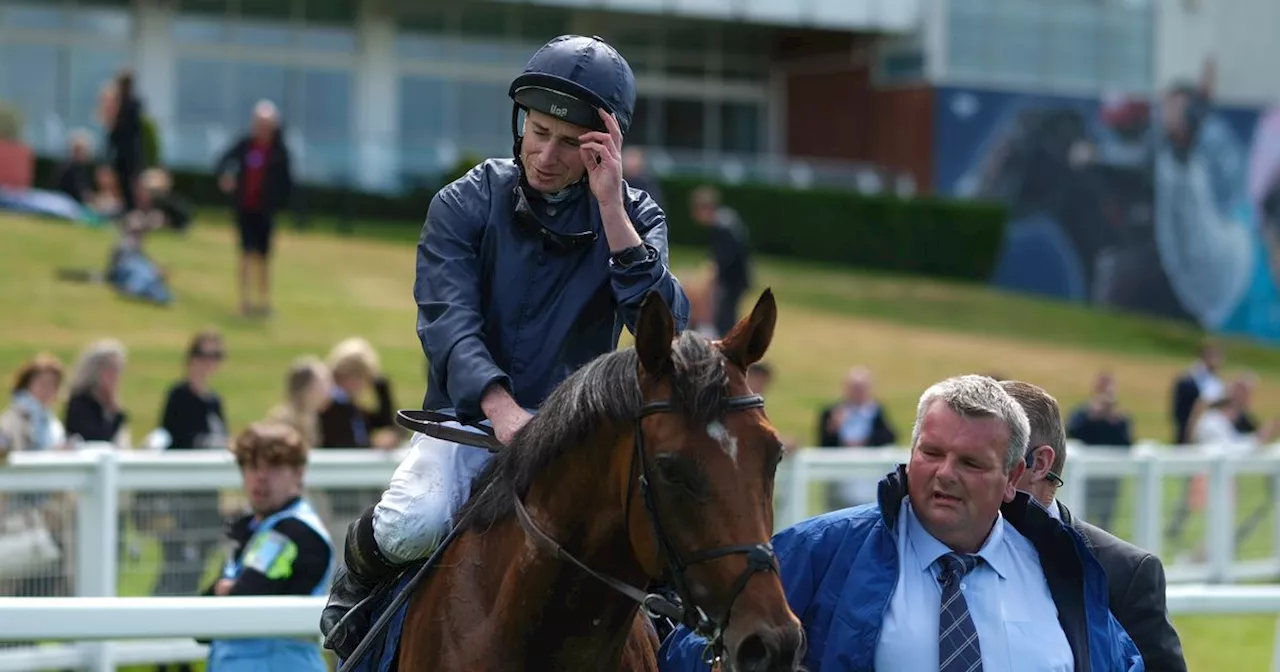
x=957, y=637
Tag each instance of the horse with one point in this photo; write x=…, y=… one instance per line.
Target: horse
x=650, y=463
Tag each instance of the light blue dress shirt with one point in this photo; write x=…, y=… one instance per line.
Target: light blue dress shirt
x=1008, y=599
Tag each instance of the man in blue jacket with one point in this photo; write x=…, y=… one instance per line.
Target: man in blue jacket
x=527, y=269
x=953, y=570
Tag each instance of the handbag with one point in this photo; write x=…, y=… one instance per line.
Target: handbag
x=26, y=545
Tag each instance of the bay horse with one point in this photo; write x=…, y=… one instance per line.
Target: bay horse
x=654, y=462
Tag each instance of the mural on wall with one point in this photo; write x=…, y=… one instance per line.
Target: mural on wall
x=1168, y=207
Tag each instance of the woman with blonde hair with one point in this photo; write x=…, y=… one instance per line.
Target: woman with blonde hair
x=344, y=424
x=30, y=423
x=307, y=386
x=94, y=411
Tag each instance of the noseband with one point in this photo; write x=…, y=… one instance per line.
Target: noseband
x=760, y=556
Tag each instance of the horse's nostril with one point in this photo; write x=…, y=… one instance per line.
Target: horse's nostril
x=754, y=655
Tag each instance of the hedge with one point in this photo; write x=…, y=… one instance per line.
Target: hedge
x=922, y=236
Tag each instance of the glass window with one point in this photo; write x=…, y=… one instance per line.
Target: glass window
x=188, y=29
x=203, y=92
x=29, y=80
x=255, y=82
x=341, y=12
x=32, y=16
x=107, y=23
x=537, y=25
x=426, y=108
x=485, y=21
x=484, y=122
x=327, y=38
x=1017, y=38
x=646, y=126
x=262, y=34
x=967, y=43
x=267, y=9
x=740, y=128
x=1057, y=44
x=214, y=7
x=746, y=52
x=637, y=38
x=91, y=70
x=684, y=122
x=324, y=110
x=422, y=34
x=1071, y=46
x=423, y=46
x=323, y=114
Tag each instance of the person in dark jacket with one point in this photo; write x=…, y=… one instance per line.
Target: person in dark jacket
x=256, y=173
x=1200, y=380
x=527, y=269
x=730, y=251
x=76, y=175
x=1100, y=422
x=952, y=569
x=194, y=419
x=124, y=141
x=1135, y=578
x=94, y=411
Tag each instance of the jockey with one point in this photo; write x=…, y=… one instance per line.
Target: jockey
x=527, y=269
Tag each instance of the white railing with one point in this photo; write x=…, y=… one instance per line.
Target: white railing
x=98, y=475
x=1148, y=464
x=92, y=621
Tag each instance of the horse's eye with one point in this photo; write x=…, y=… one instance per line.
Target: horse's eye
x=679, y=473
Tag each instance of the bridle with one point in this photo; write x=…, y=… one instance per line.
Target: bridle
x=760, y=555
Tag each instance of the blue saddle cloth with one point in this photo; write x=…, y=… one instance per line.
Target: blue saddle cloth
x=381, y=656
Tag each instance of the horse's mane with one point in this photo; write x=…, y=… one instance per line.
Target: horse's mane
x=605, y=392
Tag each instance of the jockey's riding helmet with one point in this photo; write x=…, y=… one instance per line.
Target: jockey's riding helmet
x=571, y=77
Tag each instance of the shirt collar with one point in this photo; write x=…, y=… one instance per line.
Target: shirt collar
x=995, y=552
x=339, y=395
x=1053, y=510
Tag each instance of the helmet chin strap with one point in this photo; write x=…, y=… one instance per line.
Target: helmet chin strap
x=528, y=189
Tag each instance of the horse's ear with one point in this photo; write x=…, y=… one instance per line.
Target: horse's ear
x=654, y=331
x=747, y=342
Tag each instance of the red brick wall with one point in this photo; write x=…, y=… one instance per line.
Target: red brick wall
x=833, y=111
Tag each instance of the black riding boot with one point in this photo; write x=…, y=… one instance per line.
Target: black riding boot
x=344, y=621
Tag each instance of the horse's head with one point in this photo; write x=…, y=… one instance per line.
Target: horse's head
x=707, y=457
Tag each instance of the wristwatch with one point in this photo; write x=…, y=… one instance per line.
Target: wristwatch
x=631, y=255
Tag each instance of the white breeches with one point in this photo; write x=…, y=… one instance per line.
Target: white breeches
x=416, y=512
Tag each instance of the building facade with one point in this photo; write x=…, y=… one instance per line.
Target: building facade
x=380, y=95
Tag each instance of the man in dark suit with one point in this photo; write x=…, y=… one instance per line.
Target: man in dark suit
x=1200, y=380
x=857, y=420
x=1135, y=578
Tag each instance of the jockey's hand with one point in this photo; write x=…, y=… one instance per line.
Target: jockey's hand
x=507, y=423
x=602, y=156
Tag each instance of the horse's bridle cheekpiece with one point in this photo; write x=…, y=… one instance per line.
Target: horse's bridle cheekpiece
x=760, y=556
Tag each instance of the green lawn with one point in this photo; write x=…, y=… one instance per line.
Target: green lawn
x=910, y=332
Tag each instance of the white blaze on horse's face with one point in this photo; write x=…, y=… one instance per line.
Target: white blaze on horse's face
x=728, y=442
